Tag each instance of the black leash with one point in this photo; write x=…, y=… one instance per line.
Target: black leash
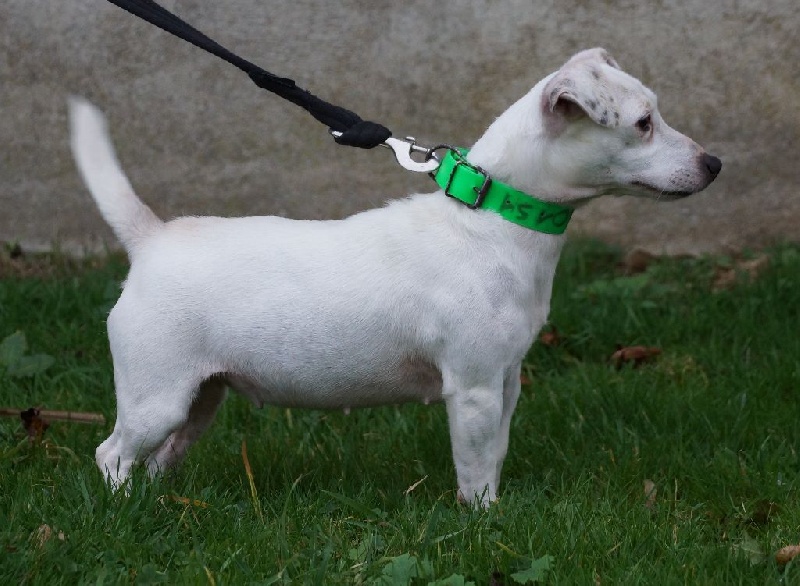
x=460, y=180
x=354, y=131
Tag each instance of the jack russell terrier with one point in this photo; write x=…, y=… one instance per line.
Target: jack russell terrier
x=426, y=299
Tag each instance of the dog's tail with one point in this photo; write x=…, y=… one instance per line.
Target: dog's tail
x=130, y=219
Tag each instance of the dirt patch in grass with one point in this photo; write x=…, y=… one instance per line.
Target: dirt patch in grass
x=16, y=263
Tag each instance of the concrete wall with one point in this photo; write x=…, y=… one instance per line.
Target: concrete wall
x=197, y=137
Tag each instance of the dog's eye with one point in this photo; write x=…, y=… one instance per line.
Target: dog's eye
x=645, y=124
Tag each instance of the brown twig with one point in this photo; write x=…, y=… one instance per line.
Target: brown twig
x=76, y=416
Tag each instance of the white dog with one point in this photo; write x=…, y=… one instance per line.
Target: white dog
x=422, y=300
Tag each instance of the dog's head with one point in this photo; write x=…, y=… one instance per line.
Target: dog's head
x=591, y=129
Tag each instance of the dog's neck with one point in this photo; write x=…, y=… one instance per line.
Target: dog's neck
x=527, y=169
x=531, y=167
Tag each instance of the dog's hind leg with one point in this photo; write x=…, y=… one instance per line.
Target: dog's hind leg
x=201, y=414
x=107, y=459
x=147, y=413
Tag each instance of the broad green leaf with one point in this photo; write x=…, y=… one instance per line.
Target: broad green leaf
x=150, y=574
x=399, y=571
x=367, y=548
x=12, y=348
x=536, y=573
x=454, y=580
x=751, y=549
x=30, y=365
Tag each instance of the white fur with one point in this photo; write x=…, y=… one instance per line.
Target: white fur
x=422, y=300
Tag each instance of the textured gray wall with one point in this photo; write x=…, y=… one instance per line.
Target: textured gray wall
x=197, y=137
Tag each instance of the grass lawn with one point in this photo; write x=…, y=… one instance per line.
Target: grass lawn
x=681, y=471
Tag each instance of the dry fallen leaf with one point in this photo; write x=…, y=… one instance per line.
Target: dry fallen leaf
x=650, y=492
x=786, y=554
x=763, y=512
x=34, y=425
x=42, y=534
x=183, y=500
x=726, y=277
x=636, y=355
x=551, y=337
x=636, y=261
x=754, y=266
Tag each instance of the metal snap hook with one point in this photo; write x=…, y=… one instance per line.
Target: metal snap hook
x=403, y=149
x=402, y=152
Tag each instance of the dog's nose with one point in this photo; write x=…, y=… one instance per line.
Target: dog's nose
x=713, y=164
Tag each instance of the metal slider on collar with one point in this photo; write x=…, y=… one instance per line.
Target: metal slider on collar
x=481, y=191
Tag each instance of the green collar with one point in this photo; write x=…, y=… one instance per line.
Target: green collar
x=473, y=187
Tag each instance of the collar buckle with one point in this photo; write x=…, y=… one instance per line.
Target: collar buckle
x=480, y=191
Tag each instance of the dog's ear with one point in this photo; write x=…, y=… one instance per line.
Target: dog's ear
x=580, y=88
x=597, y=54
x=571, y=104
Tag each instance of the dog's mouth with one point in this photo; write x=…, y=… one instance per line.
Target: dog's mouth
x=662, y=192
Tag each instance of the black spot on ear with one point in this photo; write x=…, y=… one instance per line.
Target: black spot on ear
x=595, y=74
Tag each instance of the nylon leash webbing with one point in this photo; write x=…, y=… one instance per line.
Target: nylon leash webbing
x=355, y=131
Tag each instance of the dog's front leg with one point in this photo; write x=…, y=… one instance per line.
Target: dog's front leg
x=475, y=415
x=511, y=390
